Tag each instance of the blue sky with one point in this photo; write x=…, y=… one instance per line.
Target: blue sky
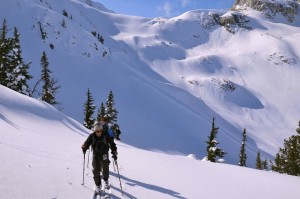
x=165, y=8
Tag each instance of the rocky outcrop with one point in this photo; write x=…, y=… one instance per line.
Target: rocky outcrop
x=232, y=21
x=270, y=8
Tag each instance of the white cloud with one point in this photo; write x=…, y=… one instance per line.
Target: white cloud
x=166, y=8
x=185, y=3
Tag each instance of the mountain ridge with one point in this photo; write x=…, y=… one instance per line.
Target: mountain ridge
x=270, y=8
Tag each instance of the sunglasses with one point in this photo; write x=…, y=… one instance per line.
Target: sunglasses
x=98, y=131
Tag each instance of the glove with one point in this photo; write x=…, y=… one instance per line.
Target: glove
x=84, y=150
x=114, y=155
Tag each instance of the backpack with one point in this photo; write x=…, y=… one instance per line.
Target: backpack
x=108, y=130
x=111, y=133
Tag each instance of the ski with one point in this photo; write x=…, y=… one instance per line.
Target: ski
x=107, y=193
x=97, y=195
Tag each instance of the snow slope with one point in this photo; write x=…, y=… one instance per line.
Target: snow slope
x=170, y=76
x=267, y=59
x=41, y=158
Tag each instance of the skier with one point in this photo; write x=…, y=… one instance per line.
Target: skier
x=104, y=122
x=100, y=142
x=107, y=127
x=117, y=131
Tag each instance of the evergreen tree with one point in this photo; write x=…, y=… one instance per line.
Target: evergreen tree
x=101, y=111
x=13, y=71
x=89, y=109
x=212, y=150
x=5, y=50
x=258, y=161
x=110, y=111
x=50, y=86
x=19, y=75
x=288, y=158
x=265, y=165
x=243, y=156
x=277, y=165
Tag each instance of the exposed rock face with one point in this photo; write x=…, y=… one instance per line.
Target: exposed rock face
x=270, y=8
x=232, y=21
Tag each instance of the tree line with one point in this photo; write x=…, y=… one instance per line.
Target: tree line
x=14, y=72
x=108, y=110
x=287, y=160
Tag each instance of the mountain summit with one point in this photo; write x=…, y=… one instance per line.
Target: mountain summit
x=288, y=8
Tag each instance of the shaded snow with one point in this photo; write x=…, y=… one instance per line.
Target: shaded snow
x=168, y=75
x=41, y=158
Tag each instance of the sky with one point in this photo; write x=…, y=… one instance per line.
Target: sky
x=162, y=8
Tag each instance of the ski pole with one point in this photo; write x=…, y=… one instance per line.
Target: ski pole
x=87, y=166
x=114, y=166
x=119, y=176
x=83, y=168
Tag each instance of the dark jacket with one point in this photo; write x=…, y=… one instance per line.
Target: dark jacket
x=100, y=145
x=118, y=132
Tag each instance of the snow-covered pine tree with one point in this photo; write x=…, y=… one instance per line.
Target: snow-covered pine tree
x=243, y=155
x=5, y=50
x=89, y=109
x=258, y=161
x=50, y=86
x=101, y=111
x=265, y=164
x=212, y=150
x=19, y=76
x=110, y=111
x=288, y=158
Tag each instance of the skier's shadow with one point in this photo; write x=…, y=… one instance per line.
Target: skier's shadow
x=131, y=182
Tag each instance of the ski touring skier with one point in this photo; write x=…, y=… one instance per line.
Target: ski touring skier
x=104, y=122
x=101, y=142
x=107, y=127
x=117, y=131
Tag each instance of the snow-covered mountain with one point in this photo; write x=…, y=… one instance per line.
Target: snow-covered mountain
x=41, y=158
x=170, y=77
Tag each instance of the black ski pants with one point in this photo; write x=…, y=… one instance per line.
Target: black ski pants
x=100, y=164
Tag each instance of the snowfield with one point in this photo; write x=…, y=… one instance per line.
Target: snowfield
x=41, y=158
x=169, y=77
